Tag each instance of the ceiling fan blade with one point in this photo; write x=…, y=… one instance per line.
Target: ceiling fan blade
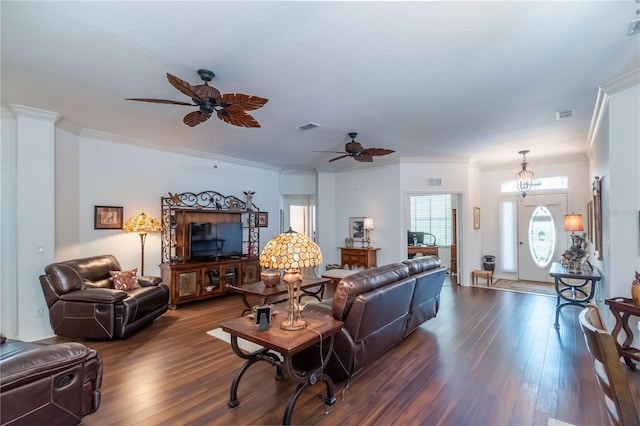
x=241, y=102
x=333, y=152
x=337, y=158
x=196, y=117
x=379, y=151
x=182, y=86
x=206, y=92
x=237, y=118
x=353, y=147
x=160, y=101
x=364, y=157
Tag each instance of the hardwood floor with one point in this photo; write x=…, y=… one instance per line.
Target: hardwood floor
x=489, y=358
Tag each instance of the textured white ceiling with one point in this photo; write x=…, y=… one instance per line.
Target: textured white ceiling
x=464, y=80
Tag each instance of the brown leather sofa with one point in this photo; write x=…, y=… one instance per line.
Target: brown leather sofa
x=379, y=307
x=55, y=384
x=83, y=302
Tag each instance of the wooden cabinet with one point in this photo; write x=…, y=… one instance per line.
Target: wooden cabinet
x=191, y=281
x=358, y=257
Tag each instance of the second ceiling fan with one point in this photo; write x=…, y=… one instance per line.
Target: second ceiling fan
x=356, y=151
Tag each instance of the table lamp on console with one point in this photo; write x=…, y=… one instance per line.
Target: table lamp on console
x=291, y=251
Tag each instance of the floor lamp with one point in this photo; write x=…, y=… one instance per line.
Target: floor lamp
x=142, y=224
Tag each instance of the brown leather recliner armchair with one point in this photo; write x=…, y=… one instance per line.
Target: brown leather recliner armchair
x=48, y=384
x=83, y=302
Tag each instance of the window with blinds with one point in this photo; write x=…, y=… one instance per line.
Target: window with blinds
x=432, y=214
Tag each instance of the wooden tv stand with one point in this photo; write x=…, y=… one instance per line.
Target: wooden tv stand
x=194, y=281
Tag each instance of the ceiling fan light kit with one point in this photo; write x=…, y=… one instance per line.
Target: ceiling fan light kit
x=230, y=108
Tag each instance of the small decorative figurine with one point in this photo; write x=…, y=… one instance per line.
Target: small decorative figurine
x=249, y=195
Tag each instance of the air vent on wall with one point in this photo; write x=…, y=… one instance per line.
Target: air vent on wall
x=434, y=182
x=305, y=127
x=561, y=115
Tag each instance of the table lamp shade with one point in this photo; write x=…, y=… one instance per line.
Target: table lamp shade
x=291, y=251
x=368, y=223
x=573, y=222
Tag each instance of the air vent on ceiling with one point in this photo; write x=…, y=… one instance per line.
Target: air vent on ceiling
x=434, y=182
x=561, y=115
x=305, y=127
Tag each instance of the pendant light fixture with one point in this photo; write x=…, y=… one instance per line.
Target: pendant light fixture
x=524, y=179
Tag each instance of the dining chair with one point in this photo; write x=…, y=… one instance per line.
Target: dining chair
x=608, y=368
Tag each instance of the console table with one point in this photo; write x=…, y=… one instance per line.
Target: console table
x=573, y=293
x=287, y=343
x=622, y=308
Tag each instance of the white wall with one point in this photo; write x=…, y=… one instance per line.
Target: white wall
x=136, y=177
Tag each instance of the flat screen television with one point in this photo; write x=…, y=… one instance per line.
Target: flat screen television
x=215, y=240
x=415, y=238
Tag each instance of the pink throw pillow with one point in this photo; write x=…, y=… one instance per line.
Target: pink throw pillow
x=125, y=280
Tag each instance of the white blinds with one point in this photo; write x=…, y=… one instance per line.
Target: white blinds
x=432, y=214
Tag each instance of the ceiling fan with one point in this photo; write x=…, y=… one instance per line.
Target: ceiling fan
x=230, y=108
x=356, y=151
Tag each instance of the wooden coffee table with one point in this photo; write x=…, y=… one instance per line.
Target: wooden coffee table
x=287, y=343
x=260, y=290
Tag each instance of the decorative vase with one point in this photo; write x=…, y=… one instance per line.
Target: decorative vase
x=270, y=277
x=635, y=290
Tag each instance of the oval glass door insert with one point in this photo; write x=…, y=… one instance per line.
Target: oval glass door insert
x=542, y=236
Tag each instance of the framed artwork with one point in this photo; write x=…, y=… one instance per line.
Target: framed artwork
x=590, y=221
x=476, y=218
x=263, y=219
x=107, y=217
x=356, y=229
x=597, y=216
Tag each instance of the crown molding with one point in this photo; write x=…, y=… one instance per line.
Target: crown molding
x=616, y=85
x=39, y=114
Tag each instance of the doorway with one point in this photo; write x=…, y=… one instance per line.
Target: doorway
x=540, y=235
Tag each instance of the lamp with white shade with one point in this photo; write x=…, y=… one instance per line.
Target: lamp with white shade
x=367, y=226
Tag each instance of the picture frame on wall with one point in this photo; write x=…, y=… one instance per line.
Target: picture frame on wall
x=107, y=217
x=356, y=229
x=476, y=218
x=590, y=221
x=597, y=216
x=263, y=219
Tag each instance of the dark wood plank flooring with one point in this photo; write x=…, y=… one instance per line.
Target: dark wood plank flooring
x=489, y=358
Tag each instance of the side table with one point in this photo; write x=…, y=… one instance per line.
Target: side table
x=287, y=343
x=573, y=293
x=622, y=308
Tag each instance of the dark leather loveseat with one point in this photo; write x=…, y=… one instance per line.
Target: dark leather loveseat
x=83, y=302
x=48, y=384
x=379, y=307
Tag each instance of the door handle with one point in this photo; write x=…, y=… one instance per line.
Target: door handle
x=521, y=243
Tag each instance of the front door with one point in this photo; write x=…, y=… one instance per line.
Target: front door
x=541, y=235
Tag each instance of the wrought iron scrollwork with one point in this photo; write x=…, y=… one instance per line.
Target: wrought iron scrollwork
x=208, y=201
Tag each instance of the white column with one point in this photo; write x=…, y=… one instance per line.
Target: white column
x=35, y=216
